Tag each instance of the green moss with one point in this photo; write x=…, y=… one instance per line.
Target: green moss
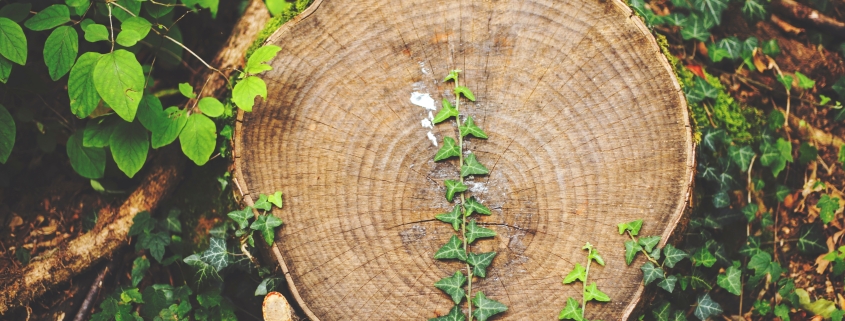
x=271, y=26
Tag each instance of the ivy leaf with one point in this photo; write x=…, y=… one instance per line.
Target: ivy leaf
x=461, y=90
x=204, y=270
x=474, y=232
x=770, y=47
x=198, y=138
x=631, y=250
x=446, y=112
x=17, y=12
x=633, y=227
x=731, y=280
x=452, y=250
x=155, y=242
x=696, y=27
x=593, y=254
x=241, y=217
x=471, y=166
x=131, y=295
x=703, y=257
x=713, y=138
x=275, y=199
x=571, y=311
x=785, y=80
x=591, y=293
x=266, y=224
x=668, y=283
x=649, y=242
x=721, y=200
x=651, y=272
x=452, y=187
x=262, y=203
x=256, y=62
x=453, y=75
x=187, y=90
x=473, y=206
x=171, y=222
x=811, y=239
x=486, y=307
x=741, y=156
x=49, y=18
x=760, y=262
x=12, y=41
x=245, y=91
x=453, y=217
x=455, y=314
x=706, y=307
x=129, y=146
x=95, y=32
x=469, y=128
x=83, y=94
x=450, y=149
x=119, y=80
x=662, y=312
x=139, y=269
x=751, y=247
x=480, y=262
x=711, y=8
x=673, y=255
x=7, y=134
x=216, y=254
x=133, y=30
x=60, y=51
x=804, y=82
x=782, y=312
x=754, y=10
x=676, y=19
x=731, y=45
x=141, y=223
x=453, y=286
x=828, y=206
x=579, y=273
x=807, y=153
x=211, y=107
x=88, y=162
x=717, y=54
x=169, y=126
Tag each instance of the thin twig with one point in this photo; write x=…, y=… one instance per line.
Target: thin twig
x=85, y=308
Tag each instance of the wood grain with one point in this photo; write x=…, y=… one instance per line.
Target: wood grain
x=587, y=126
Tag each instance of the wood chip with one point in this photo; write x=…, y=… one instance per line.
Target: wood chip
x=276, y=308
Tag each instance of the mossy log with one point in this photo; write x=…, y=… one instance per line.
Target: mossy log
x=587, y=128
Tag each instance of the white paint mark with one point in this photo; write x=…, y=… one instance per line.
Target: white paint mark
x=430, y=116
x=426, y=123
x=423, y=100
x=423, y=68
x=432, y=138
x=478, y=188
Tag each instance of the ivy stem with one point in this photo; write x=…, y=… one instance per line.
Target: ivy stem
x=584, y=284
x=648, y=256
x=463, y=200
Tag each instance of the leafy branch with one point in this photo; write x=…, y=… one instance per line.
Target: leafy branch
x=571, y=311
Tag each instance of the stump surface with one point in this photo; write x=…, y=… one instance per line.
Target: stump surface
x=587, y=126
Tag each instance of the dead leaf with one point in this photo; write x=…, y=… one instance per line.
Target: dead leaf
x=761, y=61
x=785, y=26
x=16, y=221
x=697, y=70
x=702, y=49
x=276, y=308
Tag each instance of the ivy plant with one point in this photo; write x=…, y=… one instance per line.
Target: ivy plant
x=572, y=311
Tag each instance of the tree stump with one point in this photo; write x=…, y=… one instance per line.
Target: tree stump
x=588, y=128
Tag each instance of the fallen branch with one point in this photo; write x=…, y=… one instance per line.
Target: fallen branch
x=85, y=308
x=820, y=137
x=799, y=12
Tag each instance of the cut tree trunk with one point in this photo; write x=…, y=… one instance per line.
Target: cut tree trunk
x=587, y=128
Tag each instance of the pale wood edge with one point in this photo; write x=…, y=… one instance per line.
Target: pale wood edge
x=684, y=199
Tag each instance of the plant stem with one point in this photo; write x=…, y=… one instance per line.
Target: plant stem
x=463, y=200
x=648, y=256
x=584, y=284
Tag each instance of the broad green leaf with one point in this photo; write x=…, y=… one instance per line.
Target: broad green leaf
x=453, y=75
x=828, y=206
x=5, y=69
x=150, y=113
x=139, y=269
x=837, y=315
x=782, y=312
x=486, y=307
x=471, y=166
x=469, y=128
x=245, y=91
x=741, y=156
x=760, y=262
x=187, y=90
x=451, y=250
x=83, y=94
x=60, y=51
x=266, y=224
x=703, y=257
x=257, y=61
x=717, y=54
x=446, y=112
x=127, y=38
x=673, y=255
x=159, y=9
x=785, y=80
x=7, y=134
x=731, y=280
x=713, y=138
x=461, y=90
x=651, y=272
x=480, y=262
x=169, y=127
x=571, y=311
x=452, y=187
x=449, y=149
x=591, y=293
x=696, y=27
x=662, y=312
x=131, y=295
x=129, y=146
x=453, y=217
x=804, y=82
x=17, y=12
x=731, y=45
x=216, y=254
x=811, y=239
x=473, y=206
x=785, y=148
x=171, y=222
x=474, y=232
x=262, y=203
x=133, y=30
x=119, y=80
x=453, y=286
x=668, y=283
x=49, y=18
x=276, y=7
x=706, y=307
x=275, y=199
x=676, y=19
x=712, y=9
x=721, y=200
x=133, y=6
x=88, y=162
x=198, y=138
x=241, y=217
x=751, y=247
x=754, y=10
x=142, y=223
x=155, y=242
x=649, y=242
x=771, y=48
x=631, y=250
x=210, y=300
x=633, y=227
x=12, y=41
x=211, y=107
x=455, y=314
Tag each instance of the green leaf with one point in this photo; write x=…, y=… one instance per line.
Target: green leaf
x=593, y=254
x=241, y=217
x=461, y=90
x=673, y=255
x=60, y=51
x=83, y=94
x=262, y=203
x=703, y=257
x=452, y=250
x=782, y=312
x=760, y=262
x=471, y=166
x=12, y=41
x=155, y=242
x=17, y=12
x=662, y=312
x=129, y=146
x=150, y=113
x=651, y=272
x=450, y=149
x=5, y=69
x=668, y=283
x=837, y=315
x=266, y=224
x=696, y=27
x=453, y=75
x=133, y=30
x=139, y=269
x=717, y=54
x=187, y=90
x=712, y=9
x=49, y=18
x=649, y=242
x=204, y=270
x=804, y=82
x=469, y=128
x=131, y=295
x=142, y=223
x=706, y=307
x=119, y=80
x=578, y=273
x=473, y=206
x=96, y=32
x=133, y=6
x=754, y=10
x=828, y=206
x=455, y=314
x=633, y=227
x=7, y=134
x=198, y=138
x=211, y=107
x=811, y=239
x=571, y=311
x=216, y=254
x=721, y=199
x=257, y=61
x=785, y=80
x=713, y=138
x=474, y=232
x=770, y=47
x=245, y=91
x=453, y=286
x=486, y=307
x=731, y=45
x=88, y=162
x=480, y=262
x=452, y=187
x=210, y=300
x=157, y=10
x=741, y=156
x=731, y=280
x=453, y=217
x=631, y=250
x=591, y=293
x=275, y=199
x=169, y=127
x=446, y=112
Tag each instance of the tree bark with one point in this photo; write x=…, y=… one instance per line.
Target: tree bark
x=807, y=15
